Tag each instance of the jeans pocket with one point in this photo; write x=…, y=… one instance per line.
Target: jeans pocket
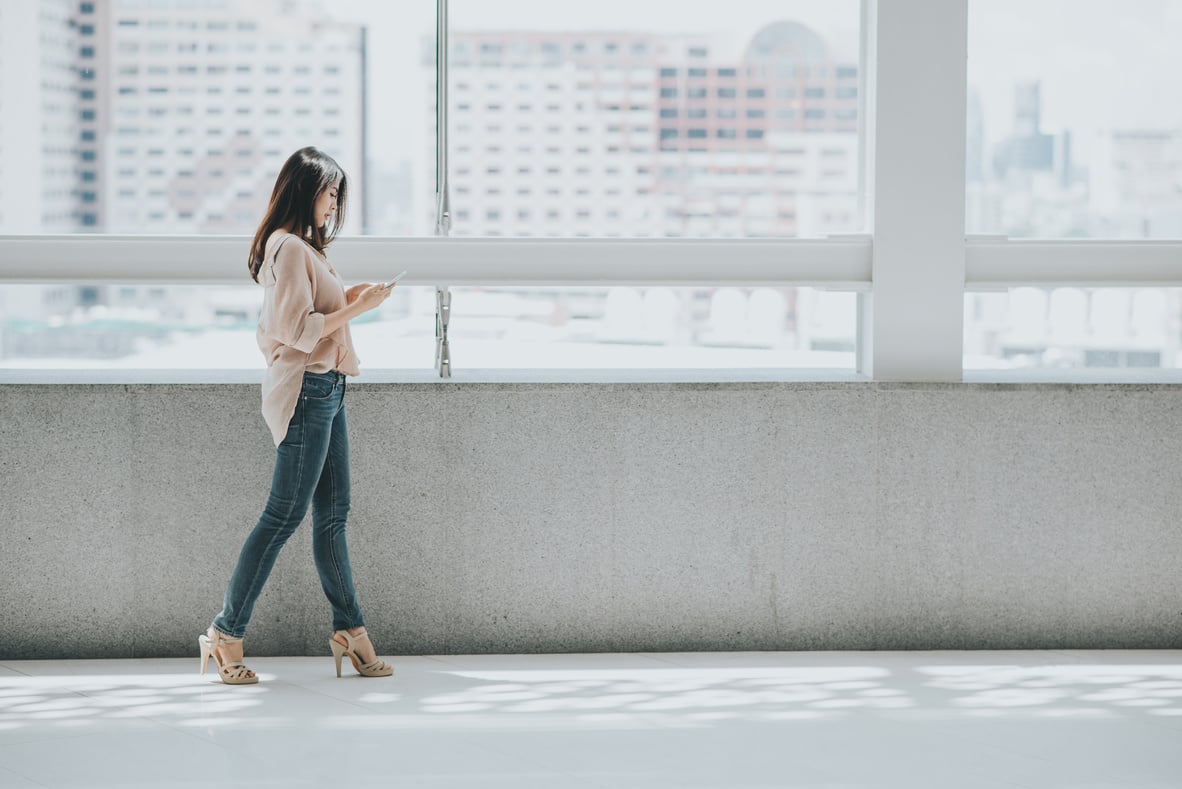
x=318, y=388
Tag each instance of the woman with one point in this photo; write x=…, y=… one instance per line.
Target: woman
x=304, y=334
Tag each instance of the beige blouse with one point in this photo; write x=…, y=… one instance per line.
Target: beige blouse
x=300, y=288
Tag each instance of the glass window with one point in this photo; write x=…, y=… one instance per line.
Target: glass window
x=1056, y=328
x=206, y=327
x=652, y=327
x=109, y=326
x=193, y=64
x=723, y=55
x=1073, y=127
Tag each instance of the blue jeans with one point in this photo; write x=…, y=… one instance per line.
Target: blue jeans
x=311, y=467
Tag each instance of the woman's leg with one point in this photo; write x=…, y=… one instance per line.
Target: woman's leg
x=298, y=463
x=330, y=511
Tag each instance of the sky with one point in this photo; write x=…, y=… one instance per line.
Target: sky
x=1103, y=64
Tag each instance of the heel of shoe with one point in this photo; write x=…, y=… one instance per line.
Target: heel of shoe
x=206, y=651
x=338, y=651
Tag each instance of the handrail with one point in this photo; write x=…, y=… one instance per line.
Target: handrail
x=843, y=262
x=840, y=261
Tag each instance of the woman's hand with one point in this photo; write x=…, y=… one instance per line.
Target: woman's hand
x=361, y=298
x=367, y=296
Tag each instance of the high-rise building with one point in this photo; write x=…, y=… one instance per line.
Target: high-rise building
x=203, y=108
x=1136, y=184
x=1027, y=149
x=170, y=116
x=39, y=118
x=631, y=134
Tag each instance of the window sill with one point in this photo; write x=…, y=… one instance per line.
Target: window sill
x=488, y=376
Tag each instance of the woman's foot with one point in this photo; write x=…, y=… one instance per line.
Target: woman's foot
x=228, y=653
x=361, y=646
x=354, y=643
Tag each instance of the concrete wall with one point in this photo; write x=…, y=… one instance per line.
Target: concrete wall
x=499, y=517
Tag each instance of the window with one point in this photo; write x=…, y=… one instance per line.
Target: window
x=594, y=81
x=1072, y=327
x=185, y=55
x=1046, y=158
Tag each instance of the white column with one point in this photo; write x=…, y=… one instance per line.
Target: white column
x=916, y=123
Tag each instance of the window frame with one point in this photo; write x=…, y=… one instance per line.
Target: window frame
x=911, y=145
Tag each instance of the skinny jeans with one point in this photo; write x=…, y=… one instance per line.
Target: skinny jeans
x=311, y=468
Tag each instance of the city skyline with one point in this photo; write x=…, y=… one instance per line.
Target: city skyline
x=1004, y=53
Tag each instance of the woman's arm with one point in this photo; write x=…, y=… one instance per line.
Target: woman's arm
x=290, y=316
x=368, y=297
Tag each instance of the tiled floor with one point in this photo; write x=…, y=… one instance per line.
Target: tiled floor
x=954, y=720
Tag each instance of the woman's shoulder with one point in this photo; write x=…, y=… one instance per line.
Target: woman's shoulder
x=284, y=257
x=286, y=246
x=276, y=238
x=292, y=244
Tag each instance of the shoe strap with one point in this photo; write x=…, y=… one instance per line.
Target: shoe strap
x=221, y=638
x=353, y=639
x=235, y=670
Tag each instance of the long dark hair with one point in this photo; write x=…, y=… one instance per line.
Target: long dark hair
x=305, y=174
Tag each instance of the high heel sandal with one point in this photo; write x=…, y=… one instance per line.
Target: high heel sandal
x=378, y=668
x=231, y=673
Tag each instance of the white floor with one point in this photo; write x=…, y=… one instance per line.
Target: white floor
x=953, y=720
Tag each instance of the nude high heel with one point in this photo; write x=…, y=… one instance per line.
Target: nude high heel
x=231, y=673
x=378, y=668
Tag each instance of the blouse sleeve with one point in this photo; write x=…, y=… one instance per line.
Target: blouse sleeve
x=291, y=316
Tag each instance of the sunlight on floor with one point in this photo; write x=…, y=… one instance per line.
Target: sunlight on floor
x=1037, y=719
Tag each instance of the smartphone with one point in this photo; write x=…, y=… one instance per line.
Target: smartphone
x=396, y=278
